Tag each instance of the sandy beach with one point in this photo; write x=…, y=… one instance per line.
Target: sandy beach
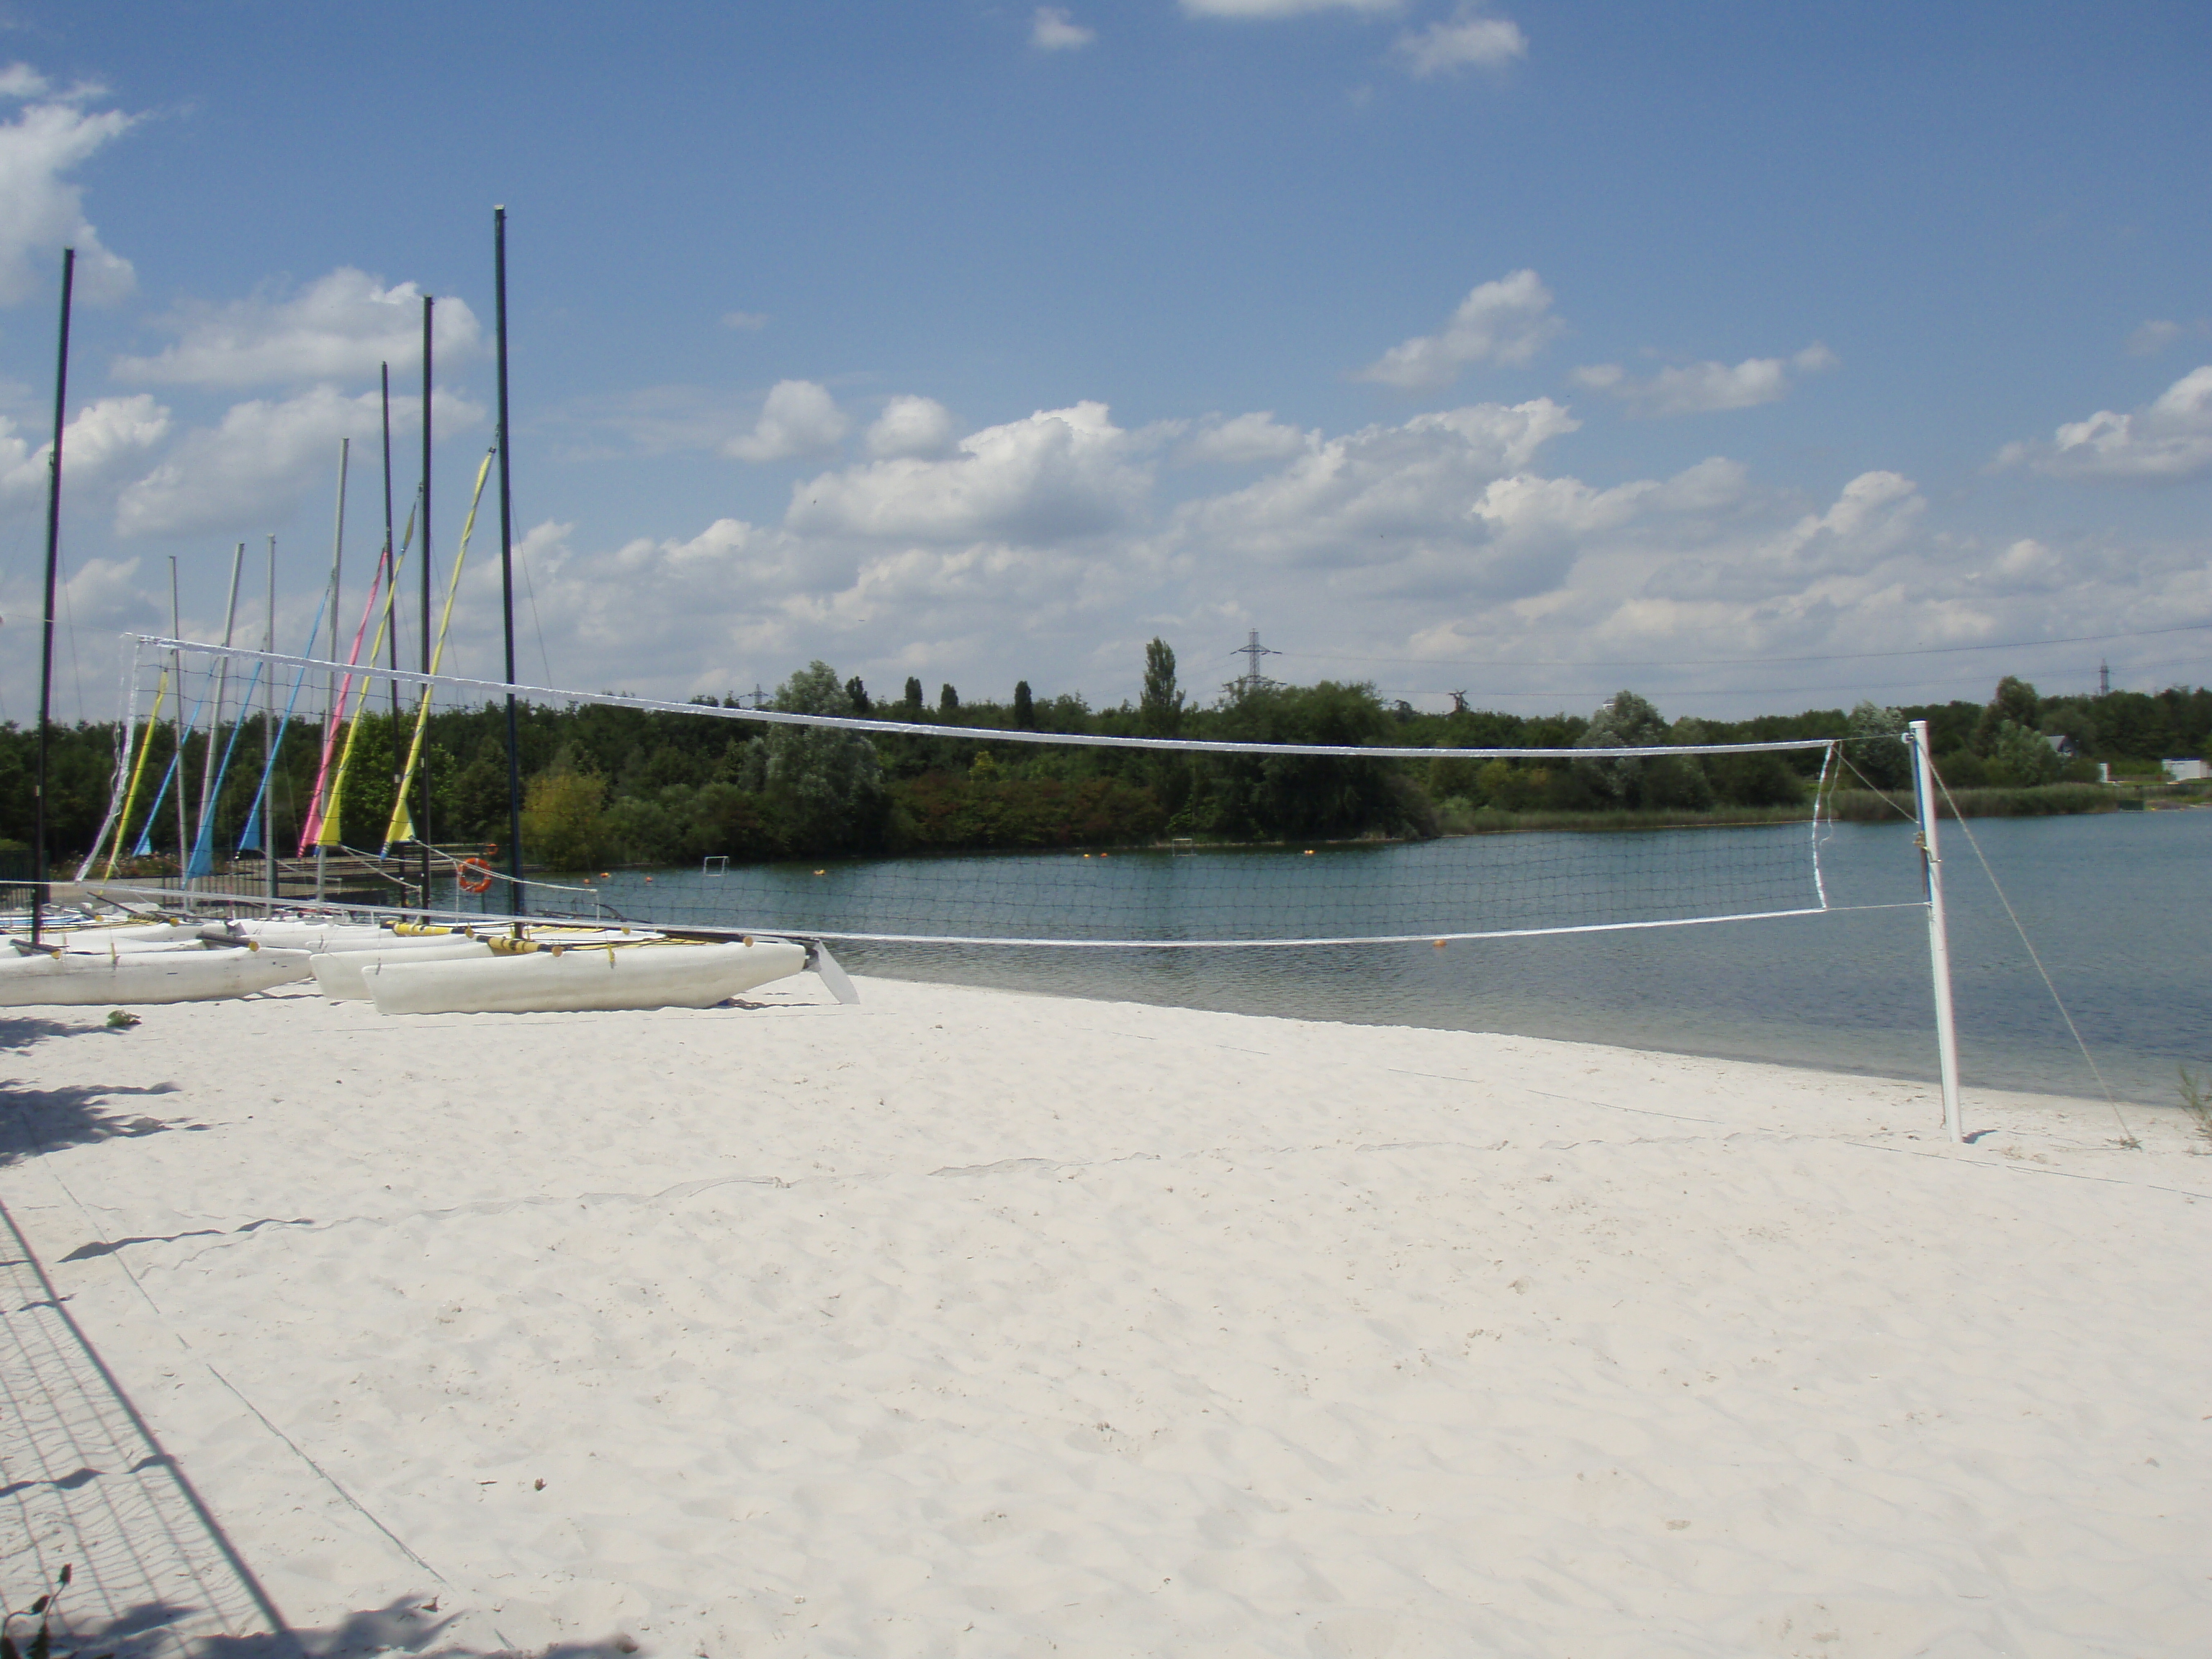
x=965, y=1322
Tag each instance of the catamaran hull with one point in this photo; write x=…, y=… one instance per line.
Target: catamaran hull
x=323, y=938
x=144, y=976
x=338, y=973
x=583, y=978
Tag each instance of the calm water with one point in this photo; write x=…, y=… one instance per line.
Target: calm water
x=2118, y=905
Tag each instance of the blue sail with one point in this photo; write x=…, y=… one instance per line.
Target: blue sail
x=251, y=839
x=202, y=862
x=144, y=845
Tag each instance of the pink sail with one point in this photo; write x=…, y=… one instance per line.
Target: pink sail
x=312, y=830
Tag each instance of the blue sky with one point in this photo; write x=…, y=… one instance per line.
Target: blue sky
x=1530, y=349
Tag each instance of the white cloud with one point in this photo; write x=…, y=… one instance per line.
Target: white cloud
x=1704, y=388
x=1052, y=30
x=340, y=326
x=912, y=426
x=106, y=437
x=1834, y=552
x=253, y=469
x=23, y=83
x=1373, y=500
x=747, y=322
x=1060, y=474
x=2169, y=439
x=40, y=212
x=1468, y=39
x=2151, y=338
x=1243, y=440
x=1041, y=550
x=799, y=418
x=1260, y=10
x=1507, y=321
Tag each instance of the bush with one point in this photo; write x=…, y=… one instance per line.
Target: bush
x=1875, y=748
x=1756, y=780
x=2021, y=757
x=564, y=823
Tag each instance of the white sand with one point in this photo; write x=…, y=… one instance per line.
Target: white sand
x=970, y=1323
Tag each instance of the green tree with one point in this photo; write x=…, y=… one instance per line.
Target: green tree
x=825, y=785
x=913, y=694
x=2022, y=758
x=1874, y=746
x=1159, y=710
x=2013, y=702
x=857, y=695
x=564, y=822
x=948, y=700
x=1024, y=706
x=1625, y=721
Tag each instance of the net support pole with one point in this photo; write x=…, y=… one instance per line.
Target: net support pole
x=1939, y=934
x=423, y=812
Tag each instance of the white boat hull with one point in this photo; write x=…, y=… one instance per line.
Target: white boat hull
x=338, y=973
x=323, y=938
x=127, y=978
x=583, y=977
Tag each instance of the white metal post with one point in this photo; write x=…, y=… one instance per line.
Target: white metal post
x=1939, y=935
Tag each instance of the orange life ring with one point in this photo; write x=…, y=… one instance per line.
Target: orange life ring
x=474, y=876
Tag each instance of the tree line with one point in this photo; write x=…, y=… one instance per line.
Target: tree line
x=607, y=784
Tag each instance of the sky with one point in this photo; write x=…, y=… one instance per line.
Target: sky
x=1753, y=357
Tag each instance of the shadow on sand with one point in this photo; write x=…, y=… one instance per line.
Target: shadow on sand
x=403, y=1627
x=35, y=1121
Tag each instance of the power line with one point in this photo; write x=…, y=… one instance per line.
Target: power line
x=1861, y=687
x=1744, y=662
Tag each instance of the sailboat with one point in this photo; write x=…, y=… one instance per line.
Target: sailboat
x=138, y=965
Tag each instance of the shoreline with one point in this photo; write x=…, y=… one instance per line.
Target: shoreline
x=963, y=1321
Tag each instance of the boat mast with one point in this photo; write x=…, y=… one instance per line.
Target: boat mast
x=214, y=722
x=331, y=720
x=506, y=577
x=184, y=735
x=391, y=569
x=269, y=738
x=39, y=890
x=423, y=816
x=337, y=561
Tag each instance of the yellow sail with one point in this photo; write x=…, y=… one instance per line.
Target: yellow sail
x=402, y=827
x=137, y=771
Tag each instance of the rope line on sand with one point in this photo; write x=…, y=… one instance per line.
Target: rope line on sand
x=157, y=1456
x=2026, y=1169
x=2127, y=1135
x=259, y=1416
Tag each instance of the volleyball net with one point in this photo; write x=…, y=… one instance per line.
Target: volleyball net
x=834, y=823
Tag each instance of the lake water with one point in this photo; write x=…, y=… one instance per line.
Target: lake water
x=2117, y=904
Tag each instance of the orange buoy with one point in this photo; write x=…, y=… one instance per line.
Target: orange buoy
x=474, y=876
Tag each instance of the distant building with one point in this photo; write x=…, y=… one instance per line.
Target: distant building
x=2061, y=744
x=2185, y=771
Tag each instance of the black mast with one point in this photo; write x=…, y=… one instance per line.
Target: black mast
x=390, y=562
x=39, y=894
x=422, y=811
x=507, y=573
x=391, y=570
